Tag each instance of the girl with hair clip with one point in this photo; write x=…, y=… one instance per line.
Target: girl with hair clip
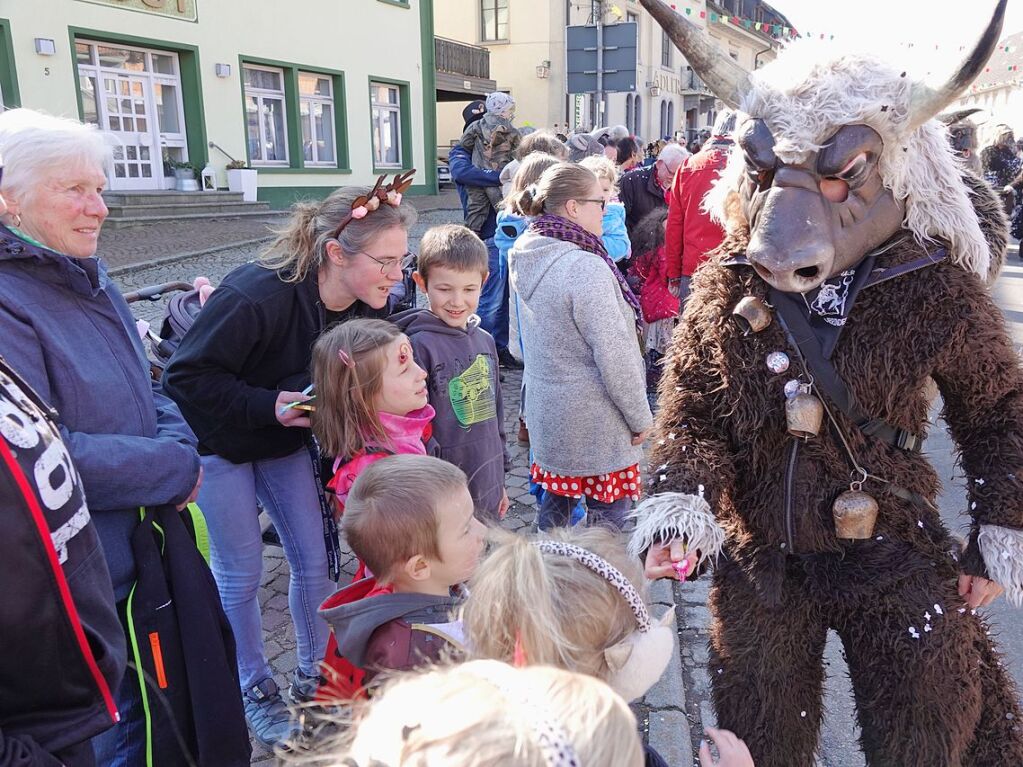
x=371, y=400
x=487, y=713
x=574, y=600
x=238, y=375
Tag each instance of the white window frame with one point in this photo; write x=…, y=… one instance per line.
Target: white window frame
x=261, y=94
x=496, y=5
x=394, y=109
x=318, y=99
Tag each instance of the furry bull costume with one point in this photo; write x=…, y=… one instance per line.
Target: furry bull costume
x=863, y=247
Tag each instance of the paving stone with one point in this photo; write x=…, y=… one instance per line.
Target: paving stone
x=670, y=737
x=662, y=592
x=669, y=692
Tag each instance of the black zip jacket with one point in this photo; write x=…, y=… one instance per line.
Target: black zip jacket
x=63, y=648
x=252, y=340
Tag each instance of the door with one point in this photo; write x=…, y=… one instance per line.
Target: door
x=129, y=119
x=134, y=94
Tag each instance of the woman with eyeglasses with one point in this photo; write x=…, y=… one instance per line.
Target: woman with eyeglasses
x=585, y=392
x=242, y=363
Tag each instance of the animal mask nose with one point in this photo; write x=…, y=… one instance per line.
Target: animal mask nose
x=791, y=245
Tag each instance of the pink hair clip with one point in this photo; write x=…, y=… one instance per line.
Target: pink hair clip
x=360, y=212
x=347, y=360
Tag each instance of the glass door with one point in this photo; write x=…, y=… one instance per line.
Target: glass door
x=134, y=94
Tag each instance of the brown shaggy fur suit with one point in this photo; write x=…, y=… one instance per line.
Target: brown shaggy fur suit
x=940, y=698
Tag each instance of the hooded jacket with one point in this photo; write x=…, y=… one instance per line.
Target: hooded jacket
x=640, y=193
x=387, y=632
x=68, y=331
x=690, y=233
x=462, y=380
x=586, y=385
x=63, y=646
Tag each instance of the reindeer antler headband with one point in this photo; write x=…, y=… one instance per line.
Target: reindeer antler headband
x=366, y=204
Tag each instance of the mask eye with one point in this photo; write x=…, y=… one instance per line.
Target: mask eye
x=836, y=188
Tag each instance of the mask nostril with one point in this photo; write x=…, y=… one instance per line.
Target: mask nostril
x=808, y=272
x=762, y=271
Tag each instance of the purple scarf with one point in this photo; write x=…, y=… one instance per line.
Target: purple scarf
x=559, y=228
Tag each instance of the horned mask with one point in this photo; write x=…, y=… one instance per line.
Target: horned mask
x=835, y=154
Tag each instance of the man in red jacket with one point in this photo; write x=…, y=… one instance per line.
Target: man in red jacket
x=690, y=233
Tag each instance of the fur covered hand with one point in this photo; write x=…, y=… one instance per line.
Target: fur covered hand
x=671, y=517
x=1002, y=550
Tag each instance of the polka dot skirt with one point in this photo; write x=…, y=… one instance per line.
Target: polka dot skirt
x=606, y=488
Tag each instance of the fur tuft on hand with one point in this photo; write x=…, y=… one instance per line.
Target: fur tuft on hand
x=666, y=517
x=1002, y=549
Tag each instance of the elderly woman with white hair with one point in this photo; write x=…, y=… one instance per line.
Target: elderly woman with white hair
x=68, y=330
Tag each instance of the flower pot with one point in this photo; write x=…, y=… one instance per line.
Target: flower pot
x=185, y=180
x=243, y=181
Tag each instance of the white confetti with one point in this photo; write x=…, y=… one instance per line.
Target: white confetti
x=927, y=616
x=927, y=627
x=980, y=481
x=802, y=714
x=699, y=489
x=920, y=524
x=961, y=610
x=938, y=610
x=664, y=477
x=880, y=537
x=660, y=442
x=671, y=435
x=662, y=467
x=973, y=505
x=914, y=633
x=720, y=670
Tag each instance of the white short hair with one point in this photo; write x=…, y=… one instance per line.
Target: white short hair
x=32, y=144
x=672, y=155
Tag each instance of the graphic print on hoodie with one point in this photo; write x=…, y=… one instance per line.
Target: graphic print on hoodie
x=463, y=387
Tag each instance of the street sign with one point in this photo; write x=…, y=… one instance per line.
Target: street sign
x=614, y=58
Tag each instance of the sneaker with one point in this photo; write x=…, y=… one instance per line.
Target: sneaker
x=267, y=714
x=507, y=360
x=303, y=687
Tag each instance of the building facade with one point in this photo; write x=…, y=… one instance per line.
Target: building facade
x=526, y=40
x=329, y=95
x=997, y=90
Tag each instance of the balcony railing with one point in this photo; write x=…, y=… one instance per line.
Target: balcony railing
x=461, y=59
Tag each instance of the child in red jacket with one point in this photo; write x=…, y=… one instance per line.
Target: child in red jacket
x=648, y=276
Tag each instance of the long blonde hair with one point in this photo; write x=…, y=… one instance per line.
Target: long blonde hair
x=301, y=244
x=559, y=612
x=485, y=712
x=346, y=417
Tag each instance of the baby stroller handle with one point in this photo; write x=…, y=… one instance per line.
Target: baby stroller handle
x=155, y=292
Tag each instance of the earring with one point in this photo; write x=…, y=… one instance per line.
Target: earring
x=17, y=221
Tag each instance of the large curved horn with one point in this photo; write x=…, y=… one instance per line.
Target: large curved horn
x=927, y=101
x=725, y=78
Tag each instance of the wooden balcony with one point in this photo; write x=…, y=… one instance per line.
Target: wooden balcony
x=463, y=71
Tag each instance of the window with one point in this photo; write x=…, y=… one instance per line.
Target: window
x=664, y=119
x=665, y=49
x=671, y=119
x=634, y=19
x=316, y=113
x=493, y=20
x=637, y=123
x=628, y=114
x=385, y=100
x=265, y=116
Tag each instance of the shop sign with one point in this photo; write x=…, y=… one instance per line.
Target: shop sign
x=186, y=10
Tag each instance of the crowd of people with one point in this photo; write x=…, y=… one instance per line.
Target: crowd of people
x=303, y=391
x=307, y=389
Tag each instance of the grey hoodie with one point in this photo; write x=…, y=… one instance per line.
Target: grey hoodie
x=464, y=388
x=585, y=380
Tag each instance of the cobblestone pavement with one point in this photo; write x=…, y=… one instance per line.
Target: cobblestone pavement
x=662, y=714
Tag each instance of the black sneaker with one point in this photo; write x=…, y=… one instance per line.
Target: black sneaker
x=507, y=360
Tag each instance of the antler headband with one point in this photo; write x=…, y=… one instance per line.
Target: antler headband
x=366, y=204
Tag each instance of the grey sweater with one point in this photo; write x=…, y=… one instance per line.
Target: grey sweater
x=585, y=382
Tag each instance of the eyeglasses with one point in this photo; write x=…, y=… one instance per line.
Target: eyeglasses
x=387, y=264
x=602, y=202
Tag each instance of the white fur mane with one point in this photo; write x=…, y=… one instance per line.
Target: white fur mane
x=809, y=92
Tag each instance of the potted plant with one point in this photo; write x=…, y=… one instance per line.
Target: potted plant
x=242, y=178
x=185, y=173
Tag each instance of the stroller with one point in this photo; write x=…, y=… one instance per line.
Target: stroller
x=182, y=309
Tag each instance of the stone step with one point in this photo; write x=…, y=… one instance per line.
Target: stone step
x=169, y=197
x=170, y=210
x=121, y=223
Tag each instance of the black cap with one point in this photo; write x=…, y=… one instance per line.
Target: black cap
x=474, y=111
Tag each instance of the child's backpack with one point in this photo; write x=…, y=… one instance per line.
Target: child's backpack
x=342, y=679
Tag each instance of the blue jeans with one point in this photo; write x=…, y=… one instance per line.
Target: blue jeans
x=493, y=308
x=287, y=490
x=557, y=511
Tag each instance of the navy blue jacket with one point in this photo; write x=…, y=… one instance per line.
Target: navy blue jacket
x=464, y=174
x=68, y=331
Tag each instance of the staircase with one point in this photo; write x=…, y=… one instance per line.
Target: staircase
x=141, y=208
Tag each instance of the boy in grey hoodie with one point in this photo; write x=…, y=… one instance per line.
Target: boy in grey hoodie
x=460, y=360
x=411, y=519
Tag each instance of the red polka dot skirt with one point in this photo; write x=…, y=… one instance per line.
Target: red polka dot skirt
x=606, y=488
